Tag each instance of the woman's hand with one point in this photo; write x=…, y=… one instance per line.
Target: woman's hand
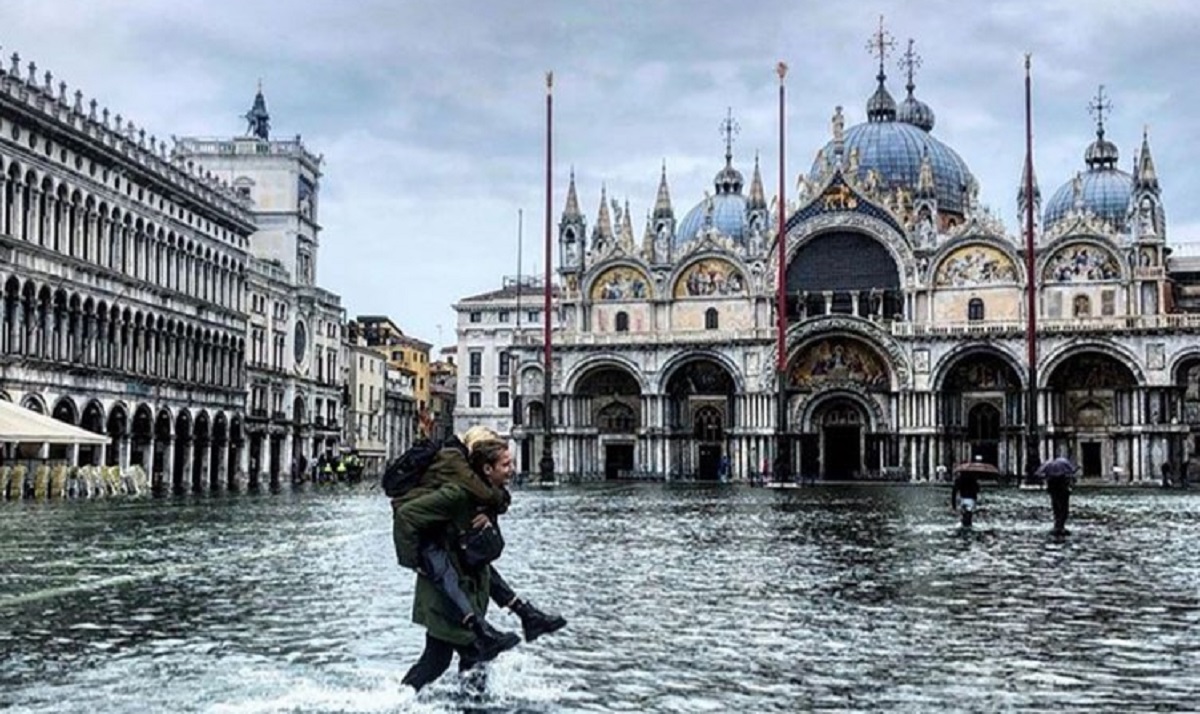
x=480, y=520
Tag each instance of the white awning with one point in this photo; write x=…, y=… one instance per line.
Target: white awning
x=21, y=425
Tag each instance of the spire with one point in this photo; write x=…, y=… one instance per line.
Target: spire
x=1145, y=176
x=1037, y=192
x=1101, y=153
x=728, y=180
x=258, y=118
x=571, y=210
x=912, y=110
x=881, y=106
x=662, y=204
x=626, y=236
x=603, y=231
x=758, y=198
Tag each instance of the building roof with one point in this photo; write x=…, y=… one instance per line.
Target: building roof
x=510, y=292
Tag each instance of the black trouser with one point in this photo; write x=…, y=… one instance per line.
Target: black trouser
x=440, y=570
x=435, y=660
x=1060, y=502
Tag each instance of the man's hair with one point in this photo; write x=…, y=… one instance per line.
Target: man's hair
x=487, y=452
x=476, y=434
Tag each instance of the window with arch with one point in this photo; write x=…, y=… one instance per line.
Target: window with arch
x=711, y=319
x=1081, y=306
x=707, y=424
x=622, y=322
x=975, y=310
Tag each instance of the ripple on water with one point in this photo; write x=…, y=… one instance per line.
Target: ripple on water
x=680, y=599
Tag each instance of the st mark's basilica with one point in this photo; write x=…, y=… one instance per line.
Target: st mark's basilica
x=905, y=337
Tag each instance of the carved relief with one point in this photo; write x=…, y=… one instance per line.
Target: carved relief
x=921, y=361
x=974, y=265
x=621, y=283
x=838, y=360
x=1080, y=263
x=710, y=277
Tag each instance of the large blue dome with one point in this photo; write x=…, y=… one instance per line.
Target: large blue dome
x=894, y=149
x=1104, y=192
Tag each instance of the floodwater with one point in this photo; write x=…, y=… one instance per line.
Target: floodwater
x=681, y=598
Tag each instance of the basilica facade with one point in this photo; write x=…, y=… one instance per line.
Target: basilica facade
x=906, y=346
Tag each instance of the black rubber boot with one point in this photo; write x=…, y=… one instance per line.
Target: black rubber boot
x=489, y=642
x=536, y=623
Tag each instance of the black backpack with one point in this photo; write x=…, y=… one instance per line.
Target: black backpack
x=404, y=474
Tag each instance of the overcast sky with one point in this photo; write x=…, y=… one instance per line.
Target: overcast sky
x=430, y=114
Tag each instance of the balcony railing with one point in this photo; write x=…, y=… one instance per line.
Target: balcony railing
x=1124, y=323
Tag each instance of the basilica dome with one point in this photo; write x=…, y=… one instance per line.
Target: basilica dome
x=893, y=143
x=1103, y=190
x=728, y=210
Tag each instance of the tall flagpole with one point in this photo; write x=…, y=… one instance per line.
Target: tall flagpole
x=547, y=461
x=783, y=451
x=1032, y=459
x=520, y=244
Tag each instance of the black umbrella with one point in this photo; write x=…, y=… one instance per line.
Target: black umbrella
x=1061, y=466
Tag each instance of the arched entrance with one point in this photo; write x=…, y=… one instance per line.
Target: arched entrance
x=143, y=435
x=118, y=429
x=1092, y=399
x=699, y=414
x=202, y=440
x=844, y=272
x=237, y=442
x=93, y=421
x=842, y=425
x=839, y=438
x=981, y=409
x=611, y=397
x=66, y=412
x=162, y=449
x=181, y=474
x=216, y=463
x=1187, y=386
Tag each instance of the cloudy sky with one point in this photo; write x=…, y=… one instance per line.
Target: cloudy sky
x=430, y=113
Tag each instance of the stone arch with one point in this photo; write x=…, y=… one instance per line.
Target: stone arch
x=805, y=413
x=66, y=411
x=34, y=402
x=674, y=362
x=117, y=428
x=575, y=375
x=1118, y=353
x=699, y=382
x=943, y=367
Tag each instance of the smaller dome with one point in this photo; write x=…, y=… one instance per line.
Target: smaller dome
x=881, y=106
x=728, y=180
x=1102, y=192
x=914, y=111
x=1101, y=153
x=727, y=211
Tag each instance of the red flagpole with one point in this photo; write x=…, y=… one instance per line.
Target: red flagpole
x=1032, y=459
x=547, y=460
x=783, y=460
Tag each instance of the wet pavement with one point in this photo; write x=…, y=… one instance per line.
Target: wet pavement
x=681, y=598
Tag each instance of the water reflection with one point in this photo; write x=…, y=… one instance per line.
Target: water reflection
x=681, y=599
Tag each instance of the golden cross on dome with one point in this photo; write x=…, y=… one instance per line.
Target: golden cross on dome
x=1099, y=106
x=881, y=44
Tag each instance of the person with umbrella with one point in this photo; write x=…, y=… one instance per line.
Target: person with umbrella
x=1058, y=474
x=964, y=494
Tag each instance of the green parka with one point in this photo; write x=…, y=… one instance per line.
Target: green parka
x=441, y=507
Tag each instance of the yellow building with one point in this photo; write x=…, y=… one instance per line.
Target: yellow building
x=405, y=353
